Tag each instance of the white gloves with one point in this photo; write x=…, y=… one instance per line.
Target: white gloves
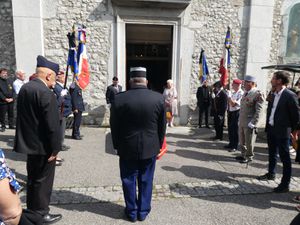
x=64, y=92
x=228, y=94
x=251, y=125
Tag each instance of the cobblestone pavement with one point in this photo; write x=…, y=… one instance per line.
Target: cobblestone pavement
x=79, y=195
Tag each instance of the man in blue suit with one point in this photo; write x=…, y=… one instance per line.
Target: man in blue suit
x=78, y=108
x=63, y=98
x=138, y=127
x=282, y=118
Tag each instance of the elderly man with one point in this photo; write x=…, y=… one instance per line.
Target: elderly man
x=7, y=97
x=38, y=135
x=282, y=118
x=138, y=127
x=63, y=98
x=250, y=112
x=234, y=105
x=18, y=83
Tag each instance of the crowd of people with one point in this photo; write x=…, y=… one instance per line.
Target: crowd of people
x=138, y=120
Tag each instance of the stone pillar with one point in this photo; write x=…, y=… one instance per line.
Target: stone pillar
x=259, y=40
x=28, y=33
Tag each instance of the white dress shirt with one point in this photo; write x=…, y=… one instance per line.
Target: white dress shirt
x=277, y=96
x=17, y=84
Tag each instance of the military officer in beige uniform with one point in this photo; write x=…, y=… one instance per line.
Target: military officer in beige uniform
x=250, y=112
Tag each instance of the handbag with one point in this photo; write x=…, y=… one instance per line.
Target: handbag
x=163, y=149
x=168, y=115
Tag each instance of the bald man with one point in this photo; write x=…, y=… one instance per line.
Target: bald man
x=38, y=135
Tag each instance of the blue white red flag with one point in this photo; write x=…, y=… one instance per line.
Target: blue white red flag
x=203, y=68
x=83, y=75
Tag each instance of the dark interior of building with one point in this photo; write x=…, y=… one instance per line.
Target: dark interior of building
x=150, y=46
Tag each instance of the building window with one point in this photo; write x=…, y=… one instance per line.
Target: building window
x=293, y=35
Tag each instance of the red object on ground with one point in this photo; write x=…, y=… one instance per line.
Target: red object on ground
x=163, y=149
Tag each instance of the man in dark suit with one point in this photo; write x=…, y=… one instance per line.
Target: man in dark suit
x=112, y=90
x=203, y=102
x=78, y=108
x=7, y=97
x=138, y=127
x=219, y=109
x=282, y=118
x=63, y=98
x=38, y=136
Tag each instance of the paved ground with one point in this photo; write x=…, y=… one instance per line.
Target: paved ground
x=196, y=182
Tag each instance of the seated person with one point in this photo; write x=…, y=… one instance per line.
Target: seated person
x=10, y=205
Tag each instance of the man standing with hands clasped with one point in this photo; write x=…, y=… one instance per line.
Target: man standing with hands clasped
x=250, y=112
x=282, y=119
x=138, y=126
x=38, y=135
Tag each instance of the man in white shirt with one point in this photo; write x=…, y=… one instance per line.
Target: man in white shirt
x=282, y=119
x=18, y=83
x=234, y=105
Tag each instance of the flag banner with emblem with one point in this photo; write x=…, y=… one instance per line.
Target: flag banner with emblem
x=72, y=57
x=225, y=60
x=83, y=76
x=203, y=68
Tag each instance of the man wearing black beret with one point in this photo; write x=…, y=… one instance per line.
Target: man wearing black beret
x=38, y=136
x=138, y=127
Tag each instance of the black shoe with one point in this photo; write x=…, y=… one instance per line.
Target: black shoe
x=142, y=218
x=245, y=160
x=232, y=150
x=200, y=126
x=266, y=176
x=239, y=158
x=207, y=126
x=2, y=129
x=77, y=138
x=281, y=189
x=131, y=219
x=12, y=127
x=51, y=218
x=65, y=148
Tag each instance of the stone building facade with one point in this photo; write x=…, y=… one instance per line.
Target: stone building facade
x=175, y=29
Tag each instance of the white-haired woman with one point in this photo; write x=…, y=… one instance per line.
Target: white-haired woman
x=170, y=95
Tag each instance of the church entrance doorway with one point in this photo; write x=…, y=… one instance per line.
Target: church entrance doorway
x=150, y=46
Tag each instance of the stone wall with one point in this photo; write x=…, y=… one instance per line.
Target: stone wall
x=7, y=56
x=208, y=21
x=96, y=16
x=213, y=17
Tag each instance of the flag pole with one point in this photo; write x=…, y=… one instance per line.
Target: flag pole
x=228, y=46
x=72, y=44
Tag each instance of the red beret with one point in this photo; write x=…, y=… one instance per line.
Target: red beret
x=237, y=81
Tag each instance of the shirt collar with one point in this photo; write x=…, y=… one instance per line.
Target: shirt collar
x=280, y=92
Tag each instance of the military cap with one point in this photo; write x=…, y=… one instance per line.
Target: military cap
x=250, y=78
x=237, y=81
x=43, y=62
x=138, y=72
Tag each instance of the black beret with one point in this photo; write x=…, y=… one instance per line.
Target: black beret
x=217, y=84
x=138, y=72
x=41, y=61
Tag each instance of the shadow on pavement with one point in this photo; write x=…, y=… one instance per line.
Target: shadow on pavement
x=109, y=149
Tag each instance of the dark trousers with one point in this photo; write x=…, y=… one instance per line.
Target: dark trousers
x=296, y=220
x=76, y=124
x=203, y=110
x=9, y=109
x=233, y=128
x=279, y=145
x=142, y=172
x=219, y=124
x=40, y=177
x=63, y=128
